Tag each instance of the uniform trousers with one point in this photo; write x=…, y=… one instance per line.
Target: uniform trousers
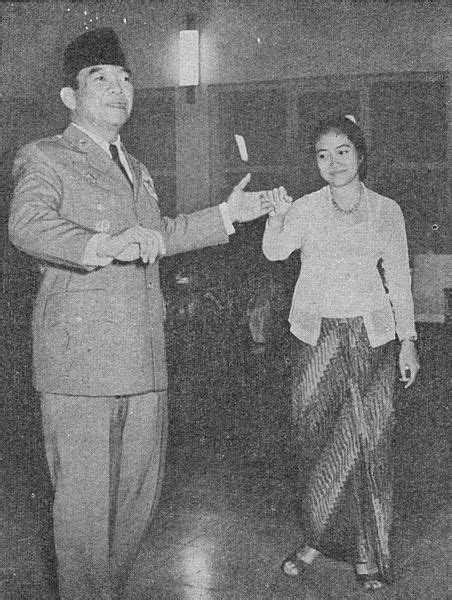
x=106, y=459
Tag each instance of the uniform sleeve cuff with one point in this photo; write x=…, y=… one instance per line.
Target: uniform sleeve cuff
x=224, y=210
x=91, y=258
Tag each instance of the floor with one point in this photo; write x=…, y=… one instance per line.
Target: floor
x=227, y=515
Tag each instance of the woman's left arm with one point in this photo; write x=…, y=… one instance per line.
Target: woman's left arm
x=398, y=281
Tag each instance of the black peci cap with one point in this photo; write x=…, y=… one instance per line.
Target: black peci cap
x=95, y=47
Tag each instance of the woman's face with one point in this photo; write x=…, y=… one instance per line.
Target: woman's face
x=337, y=159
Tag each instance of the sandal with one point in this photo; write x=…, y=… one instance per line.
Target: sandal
x=370, y=582
x=294, y=566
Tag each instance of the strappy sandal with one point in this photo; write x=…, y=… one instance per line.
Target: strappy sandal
x=294, y=566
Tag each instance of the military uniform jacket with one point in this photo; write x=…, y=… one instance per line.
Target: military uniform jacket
x=96, y=332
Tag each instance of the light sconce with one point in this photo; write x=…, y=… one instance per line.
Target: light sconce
x=189, y=57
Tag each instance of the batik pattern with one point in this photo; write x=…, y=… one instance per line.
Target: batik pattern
x=343, y=422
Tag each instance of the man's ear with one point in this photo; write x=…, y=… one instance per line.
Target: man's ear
x=67, y=95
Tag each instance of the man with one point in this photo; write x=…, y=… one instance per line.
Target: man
x=88, y=210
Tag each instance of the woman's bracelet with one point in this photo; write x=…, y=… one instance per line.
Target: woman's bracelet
x=412, y=338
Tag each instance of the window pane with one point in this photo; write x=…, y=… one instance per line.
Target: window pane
x=260, y=116
x=422, y=194
x=409, y=120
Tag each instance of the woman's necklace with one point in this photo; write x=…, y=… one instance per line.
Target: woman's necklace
x=350, y=210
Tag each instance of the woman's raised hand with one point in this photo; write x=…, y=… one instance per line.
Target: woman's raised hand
x=280, y=201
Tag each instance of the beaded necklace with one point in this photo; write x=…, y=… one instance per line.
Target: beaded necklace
x=350, y=210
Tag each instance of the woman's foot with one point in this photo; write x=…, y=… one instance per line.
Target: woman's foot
x=299, y=561
x=368, y=577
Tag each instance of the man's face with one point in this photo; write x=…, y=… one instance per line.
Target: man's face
x=104, y=97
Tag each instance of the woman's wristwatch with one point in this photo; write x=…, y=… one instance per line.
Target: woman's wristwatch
x=412, y=338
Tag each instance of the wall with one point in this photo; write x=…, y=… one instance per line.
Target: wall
x=241, y=41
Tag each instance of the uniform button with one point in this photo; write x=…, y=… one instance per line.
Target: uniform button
x=149, y=285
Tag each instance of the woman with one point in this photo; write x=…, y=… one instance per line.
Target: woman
x=351, y=300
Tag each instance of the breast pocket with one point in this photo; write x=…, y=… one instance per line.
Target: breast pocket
x=97, y=208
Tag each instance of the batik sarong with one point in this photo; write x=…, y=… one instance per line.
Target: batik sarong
x=343, y=423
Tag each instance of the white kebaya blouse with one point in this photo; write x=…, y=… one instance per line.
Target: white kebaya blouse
x=339, y=255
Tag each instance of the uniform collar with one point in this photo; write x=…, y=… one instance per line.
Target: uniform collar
x=98, y=151
x=99, y=140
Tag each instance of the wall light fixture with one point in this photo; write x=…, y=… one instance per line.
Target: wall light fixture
x=189, y=57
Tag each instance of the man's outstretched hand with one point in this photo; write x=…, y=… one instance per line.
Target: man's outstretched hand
x=247, y=206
